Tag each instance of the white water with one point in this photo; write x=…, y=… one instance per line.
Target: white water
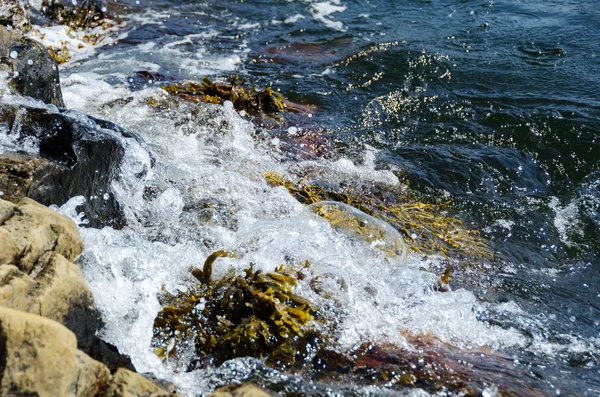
x=206, y=171
x=211, y=195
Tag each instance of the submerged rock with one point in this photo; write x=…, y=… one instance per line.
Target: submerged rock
x=243, y=390
x=80, y=155
x=32, y=70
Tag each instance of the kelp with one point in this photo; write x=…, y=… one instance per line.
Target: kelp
x=255, y=314
x=425, y=227
x=250, y=100
x=86, y=14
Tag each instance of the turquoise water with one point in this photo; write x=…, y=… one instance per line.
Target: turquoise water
x=494, y=105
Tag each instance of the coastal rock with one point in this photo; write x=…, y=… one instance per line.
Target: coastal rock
x=80, y=155
x=18, y=173
x=37, y=247
x=243, y=390
x=125, y=383
x=37, y=230
x=39, y=357
x=34, y=72
x=36, y=272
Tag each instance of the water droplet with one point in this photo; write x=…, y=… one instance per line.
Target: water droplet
x=292, y=130
x=29, y=62
x=13, y=54
x=275, y=141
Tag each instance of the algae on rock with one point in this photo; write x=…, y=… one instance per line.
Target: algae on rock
x=425, y=227
x=256, y=314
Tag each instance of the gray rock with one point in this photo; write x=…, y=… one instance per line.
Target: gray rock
x=34, y=72
x=83, y=156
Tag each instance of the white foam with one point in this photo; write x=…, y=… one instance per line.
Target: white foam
x=76, y=42
x=294, y=18
x=566, y=220
x=322, y=11
x=210, y=194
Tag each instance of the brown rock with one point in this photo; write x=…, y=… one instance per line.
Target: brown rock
x=39, y=357
x=243, y=390
x=18, y=174
x=125, y=383
x=37, y=275
x=37, y=230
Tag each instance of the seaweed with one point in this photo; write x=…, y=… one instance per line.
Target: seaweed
x=255, y=314
x=87, y=14
x=251, y=100
x=425, y=227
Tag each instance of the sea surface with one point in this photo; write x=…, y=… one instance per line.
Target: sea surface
x=493, y=106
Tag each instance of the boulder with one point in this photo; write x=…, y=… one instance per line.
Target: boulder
x=39, y=357
x=37, y=247
x=78, y=155
x=37, y=230
x=33, y=71
x=125, y=383
x=243, y=390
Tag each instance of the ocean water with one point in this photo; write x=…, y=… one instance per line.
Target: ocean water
x=492, y=105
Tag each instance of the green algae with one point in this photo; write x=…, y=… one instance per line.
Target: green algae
x=255, y=314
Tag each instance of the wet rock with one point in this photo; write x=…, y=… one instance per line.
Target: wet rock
x=37, y=247
x=431, y=365
x=33, y=71
x=39, y=357
x=125, y=383
x=80, y=154
x=17, y=175
x=243, y=390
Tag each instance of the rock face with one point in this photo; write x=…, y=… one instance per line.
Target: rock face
x=34, y=72
x=36, y=272
x=39, y=357
x=125, y=383
x=80, y=155
x=37, y=247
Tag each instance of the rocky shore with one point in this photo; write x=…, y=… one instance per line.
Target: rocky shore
x=48, y=322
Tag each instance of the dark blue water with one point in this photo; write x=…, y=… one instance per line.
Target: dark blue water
x=492, y=104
